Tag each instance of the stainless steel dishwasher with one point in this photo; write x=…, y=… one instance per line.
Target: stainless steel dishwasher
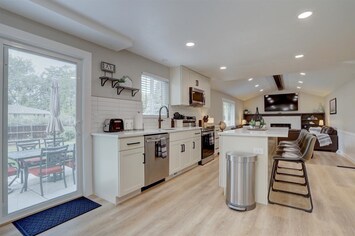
x=156, y=158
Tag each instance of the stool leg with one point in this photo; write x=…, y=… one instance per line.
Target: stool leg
x=271, y=180
x=308, y=187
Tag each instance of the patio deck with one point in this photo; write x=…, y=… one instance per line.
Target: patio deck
x=32, y=196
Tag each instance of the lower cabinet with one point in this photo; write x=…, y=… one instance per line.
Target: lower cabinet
x=175, y=150
x=131, y=171
x=185, y=150
x=196, y=149
x=118, y=167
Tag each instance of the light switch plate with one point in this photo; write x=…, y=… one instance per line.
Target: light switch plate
x=128, y=124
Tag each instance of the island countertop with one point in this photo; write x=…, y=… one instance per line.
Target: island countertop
x=270, y=132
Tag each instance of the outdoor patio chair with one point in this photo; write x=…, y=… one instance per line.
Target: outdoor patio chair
x=12, y=170
x=70, y=162
x=24, y=145
x=28, y=144
x=52, y=162
x=49, y=142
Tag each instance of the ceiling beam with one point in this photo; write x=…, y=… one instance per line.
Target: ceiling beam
x=279, y=81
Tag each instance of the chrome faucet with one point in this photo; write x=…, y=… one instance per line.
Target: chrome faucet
x=167, y=115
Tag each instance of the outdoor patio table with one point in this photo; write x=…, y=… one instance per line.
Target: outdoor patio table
x=20, y=156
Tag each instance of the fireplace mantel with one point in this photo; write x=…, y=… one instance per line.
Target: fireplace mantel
x=297, y=120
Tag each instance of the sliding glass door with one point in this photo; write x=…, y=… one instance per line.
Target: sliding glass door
x=39, y=127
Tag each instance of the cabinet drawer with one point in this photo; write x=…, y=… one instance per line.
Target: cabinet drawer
x=196, y=133
x=184, y=135
x=131, y=143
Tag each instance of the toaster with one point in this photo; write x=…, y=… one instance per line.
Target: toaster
x=113, y=125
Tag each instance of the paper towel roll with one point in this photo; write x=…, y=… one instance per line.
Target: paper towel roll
x=138, y=121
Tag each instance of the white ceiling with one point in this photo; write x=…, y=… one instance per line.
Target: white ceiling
x=254, y=38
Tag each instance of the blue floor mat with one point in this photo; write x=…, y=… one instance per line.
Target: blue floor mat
x=47, y=219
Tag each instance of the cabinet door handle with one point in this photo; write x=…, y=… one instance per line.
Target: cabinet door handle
x=133, y=143
x=143, y=158
x=182, y=148
x=197, y=133
x=193, y=144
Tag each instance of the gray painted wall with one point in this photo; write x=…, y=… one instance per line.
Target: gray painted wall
x=127, y=63
x=306, y=103
x=216, y=110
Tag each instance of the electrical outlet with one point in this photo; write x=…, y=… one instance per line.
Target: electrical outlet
x=258, y=151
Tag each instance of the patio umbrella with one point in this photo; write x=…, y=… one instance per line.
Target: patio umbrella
x=55, y=125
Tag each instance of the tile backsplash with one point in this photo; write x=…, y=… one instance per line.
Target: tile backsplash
x=106, y=108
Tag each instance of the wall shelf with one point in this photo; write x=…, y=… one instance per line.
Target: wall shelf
x=121, y=88
x=115, y=83
x=104, y=79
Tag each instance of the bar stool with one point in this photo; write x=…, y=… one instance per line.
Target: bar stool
x=306, y=155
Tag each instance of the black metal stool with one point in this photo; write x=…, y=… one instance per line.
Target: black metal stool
x=307, y=152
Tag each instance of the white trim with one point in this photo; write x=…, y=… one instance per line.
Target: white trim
x=155, y=76
x=21, y=37
x=341, y=151
x=227, y=100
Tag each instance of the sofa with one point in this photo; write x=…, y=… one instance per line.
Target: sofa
x=333, y=134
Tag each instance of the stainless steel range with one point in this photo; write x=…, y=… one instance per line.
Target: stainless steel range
x=207, y=145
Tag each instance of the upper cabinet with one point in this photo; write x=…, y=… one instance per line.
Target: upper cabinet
x=181, y=79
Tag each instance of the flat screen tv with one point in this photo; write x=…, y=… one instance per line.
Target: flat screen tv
x=281, y=102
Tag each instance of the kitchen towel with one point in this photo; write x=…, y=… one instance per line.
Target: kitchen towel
x=164, y=150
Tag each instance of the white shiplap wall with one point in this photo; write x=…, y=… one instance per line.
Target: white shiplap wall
x=106, y=108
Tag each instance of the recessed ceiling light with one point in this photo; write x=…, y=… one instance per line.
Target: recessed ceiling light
x=299, y=56
x=222, y=67
x=302, y=73
x=261, y=90
x=300, y=82
x=256, y=85
x=190, y=44
x=305, y=15
x=298, y=87
x=250, y=79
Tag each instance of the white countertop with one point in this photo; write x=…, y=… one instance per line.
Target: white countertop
x=270, y=132
x=135, y=133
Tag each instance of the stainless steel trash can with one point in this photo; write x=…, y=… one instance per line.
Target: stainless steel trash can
x=240, y=184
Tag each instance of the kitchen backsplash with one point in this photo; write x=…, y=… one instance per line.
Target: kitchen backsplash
x=106, y=108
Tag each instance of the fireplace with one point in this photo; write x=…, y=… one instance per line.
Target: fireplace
x=284, y=125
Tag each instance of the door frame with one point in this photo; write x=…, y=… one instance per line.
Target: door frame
x=17, y=38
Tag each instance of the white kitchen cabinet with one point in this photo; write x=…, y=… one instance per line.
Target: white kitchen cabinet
x=118, y=167
x=131, y=171
x=179, y=156
x=175, y=148
x=185, y=155
x=184, y=150
x=181, y=79
x=196, y=149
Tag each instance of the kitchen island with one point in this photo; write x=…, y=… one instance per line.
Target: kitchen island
x=262, y=143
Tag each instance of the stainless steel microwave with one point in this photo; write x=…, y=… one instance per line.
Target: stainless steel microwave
x=197, y=97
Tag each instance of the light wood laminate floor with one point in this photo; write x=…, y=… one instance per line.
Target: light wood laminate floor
x=193, y=204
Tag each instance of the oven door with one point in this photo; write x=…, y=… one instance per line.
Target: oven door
x=207, y=144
